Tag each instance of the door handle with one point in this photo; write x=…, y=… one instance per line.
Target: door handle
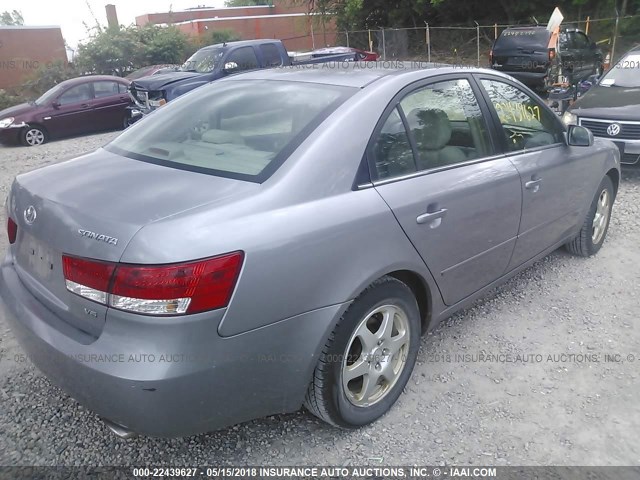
x=431, y=216
x=84, y=105
x=533, y=185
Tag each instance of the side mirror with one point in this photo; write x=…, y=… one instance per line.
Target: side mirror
x=55, y=104
x=230, y=67
x=579, y=136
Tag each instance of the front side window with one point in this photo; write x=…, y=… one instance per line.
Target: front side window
x=77, y=94
x=525, y=122
x=245, y=58
x=239, y=129
x=581, y=41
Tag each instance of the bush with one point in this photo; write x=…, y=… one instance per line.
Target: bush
x=220, y=36
x=8, y=99
x=48, y=76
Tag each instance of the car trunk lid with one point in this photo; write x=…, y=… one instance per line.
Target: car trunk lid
x=92, y=207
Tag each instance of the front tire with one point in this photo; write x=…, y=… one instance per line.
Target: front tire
x=33, y=135
x=368, y=358
x=594, y=230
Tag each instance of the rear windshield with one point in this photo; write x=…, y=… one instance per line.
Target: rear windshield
x=241, y=129
x=524, y=37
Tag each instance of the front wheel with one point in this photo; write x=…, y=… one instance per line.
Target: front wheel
x=368, y=358
x=594, y=230
x=33, y=135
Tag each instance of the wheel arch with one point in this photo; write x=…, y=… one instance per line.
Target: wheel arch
x=37, y=125
x=614, y=175
x=420, y=290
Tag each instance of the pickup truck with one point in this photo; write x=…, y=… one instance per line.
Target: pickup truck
x=212, y=63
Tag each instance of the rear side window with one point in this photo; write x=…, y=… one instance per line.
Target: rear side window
x=238, y=129
x=105, y=89
x=446, y=127
x=526, y=124
x=271, y=55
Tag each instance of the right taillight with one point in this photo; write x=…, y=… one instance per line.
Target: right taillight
x=173, y=289
x=12, y=230
x=552, y=54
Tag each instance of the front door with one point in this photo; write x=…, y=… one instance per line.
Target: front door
x=73, y=112
x=433, y=162
x=554, y=182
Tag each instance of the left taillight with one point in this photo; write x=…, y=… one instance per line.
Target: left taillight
x=173, y=289
x=12, y=230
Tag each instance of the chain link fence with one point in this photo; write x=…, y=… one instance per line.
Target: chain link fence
x=470, y=45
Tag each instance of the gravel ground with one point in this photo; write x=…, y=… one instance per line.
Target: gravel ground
x=540, y=410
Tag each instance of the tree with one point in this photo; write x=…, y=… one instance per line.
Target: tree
x=119, y=51
x=11, y=18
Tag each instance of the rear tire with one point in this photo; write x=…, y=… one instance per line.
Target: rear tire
x=595, y=227
x=364, y=366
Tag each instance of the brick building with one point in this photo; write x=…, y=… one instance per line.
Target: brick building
x=23, y=50
x=283, y=20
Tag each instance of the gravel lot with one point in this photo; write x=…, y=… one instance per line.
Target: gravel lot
x=545, y=410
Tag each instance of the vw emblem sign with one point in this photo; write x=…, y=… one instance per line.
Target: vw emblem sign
x=30, y=215
x=614, y=129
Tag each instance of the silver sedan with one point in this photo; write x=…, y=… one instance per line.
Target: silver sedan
x=284, y=237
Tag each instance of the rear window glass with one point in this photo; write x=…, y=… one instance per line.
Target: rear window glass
x=524, y=37
x=237, y=129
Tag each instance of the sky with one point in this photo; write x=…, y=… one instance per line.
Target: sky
x=71, y=15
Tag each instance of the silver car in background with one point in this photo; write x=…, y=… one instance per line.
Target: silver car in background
x=284, y=237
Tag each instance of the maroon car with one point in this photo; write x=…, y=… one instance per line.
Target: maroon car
x=76, y=106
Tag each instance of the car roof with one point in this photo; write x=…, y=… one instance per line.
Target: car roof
x=351, y=74
x=92, y=78
x=241, y=43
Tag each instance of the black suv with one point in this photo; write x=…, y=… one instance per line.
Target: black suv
x=533, y=56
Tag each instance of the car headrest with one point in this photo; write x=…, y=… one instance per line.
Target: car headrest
x=222, y=136
x=431, y=128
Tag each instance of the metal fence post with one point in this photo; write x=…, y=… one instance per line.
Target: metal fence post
x=615, y=38
x=384, y=46
x=347, y=32
x=428, y=43
x=313, y=37
x=478, y=40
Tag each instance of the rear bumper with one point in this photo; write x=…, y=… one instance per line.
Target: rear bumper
x=172, y=377
x=535, y=79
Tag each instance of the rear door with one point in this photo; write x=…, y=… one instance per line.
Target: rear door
x=73, y=113
x=553, y=175
x=109, y=105
x=433, y=161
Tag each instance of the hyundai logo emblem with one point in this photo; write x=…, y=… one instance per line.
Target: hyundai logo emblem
x=614, y=129
x=30, y=215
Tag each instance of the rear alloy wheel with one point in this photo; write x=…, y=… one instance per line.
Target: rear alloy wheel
x=368, y=358
x=594, y=230
x=32, y=136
